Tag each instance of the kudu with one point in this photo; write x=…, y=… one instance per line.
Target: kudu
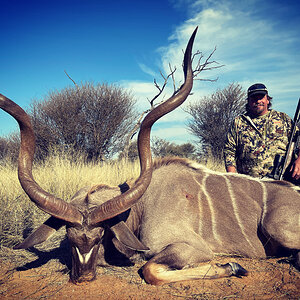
x=178, y=213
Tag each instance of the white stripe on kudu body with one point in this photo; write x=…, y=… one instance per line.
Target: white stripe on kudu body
x=211, y=212
x=236, y=211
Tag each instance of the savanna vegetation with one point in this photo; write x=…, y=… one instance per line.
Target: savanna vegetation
x=93, y=119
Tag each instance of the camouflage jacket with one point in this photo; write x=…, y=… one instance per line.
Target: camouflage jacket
x=252, y=143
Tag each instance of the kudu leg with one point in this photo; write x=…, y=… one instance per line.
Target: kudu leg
x=167, y=266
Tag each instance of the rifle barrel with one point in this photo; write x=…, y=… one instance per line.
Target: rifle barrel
x=291, y=142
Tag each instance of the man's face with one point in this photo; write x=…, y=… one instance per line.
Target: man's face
x=258, y=104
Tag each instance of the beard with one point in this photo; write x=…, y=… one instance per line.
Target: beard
x=259, y=109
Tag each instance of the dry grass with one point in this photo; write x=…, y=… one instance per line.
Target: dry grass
x=215, y=165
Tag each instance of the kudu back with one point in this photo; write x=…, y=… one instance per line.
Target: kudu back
x=177, y=213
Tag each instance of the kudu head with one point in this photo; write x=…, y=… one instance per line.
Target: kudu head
x=85, y=219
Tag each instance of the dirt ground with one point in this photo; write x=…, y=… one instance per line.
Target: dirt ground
x=268, y=279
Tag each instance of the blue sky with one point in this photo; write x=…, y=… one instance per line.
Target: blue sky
x=130, y=42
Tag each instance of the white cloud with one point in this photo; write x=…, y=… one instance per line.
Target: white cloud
x=140, y=88
x=147, y=70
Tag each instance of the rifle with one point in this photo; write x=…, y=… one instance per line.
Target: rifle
x=282, y=162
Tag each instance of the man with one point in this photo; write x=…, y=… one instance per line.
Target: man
x=257, y=136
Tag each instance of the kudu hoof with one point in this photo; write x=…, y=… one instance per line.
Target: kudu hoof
x=237, y=269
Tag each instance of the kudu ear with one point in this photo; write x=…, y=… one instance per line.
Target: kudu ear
x=126, y=237
x=41, y=234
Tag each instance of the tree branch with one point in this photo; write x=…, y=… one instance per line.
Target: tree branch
x=71, y=79
x=204, y=67
x=161, y=89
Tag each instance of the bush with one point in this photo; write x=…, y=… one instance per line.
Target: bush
x=91, y=119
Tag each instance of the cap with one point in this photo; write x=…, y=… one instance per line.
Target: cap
x=257, y=88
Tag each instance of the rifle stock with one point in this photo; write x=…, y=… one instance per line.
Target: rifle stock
x=281, y=163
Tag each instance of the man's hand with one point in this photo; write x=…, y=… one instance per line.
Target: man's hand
x=295, y=169
x=232, y=169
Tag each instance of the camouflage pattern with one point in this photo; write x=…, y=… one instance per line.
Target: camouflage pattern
x=252, y=143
